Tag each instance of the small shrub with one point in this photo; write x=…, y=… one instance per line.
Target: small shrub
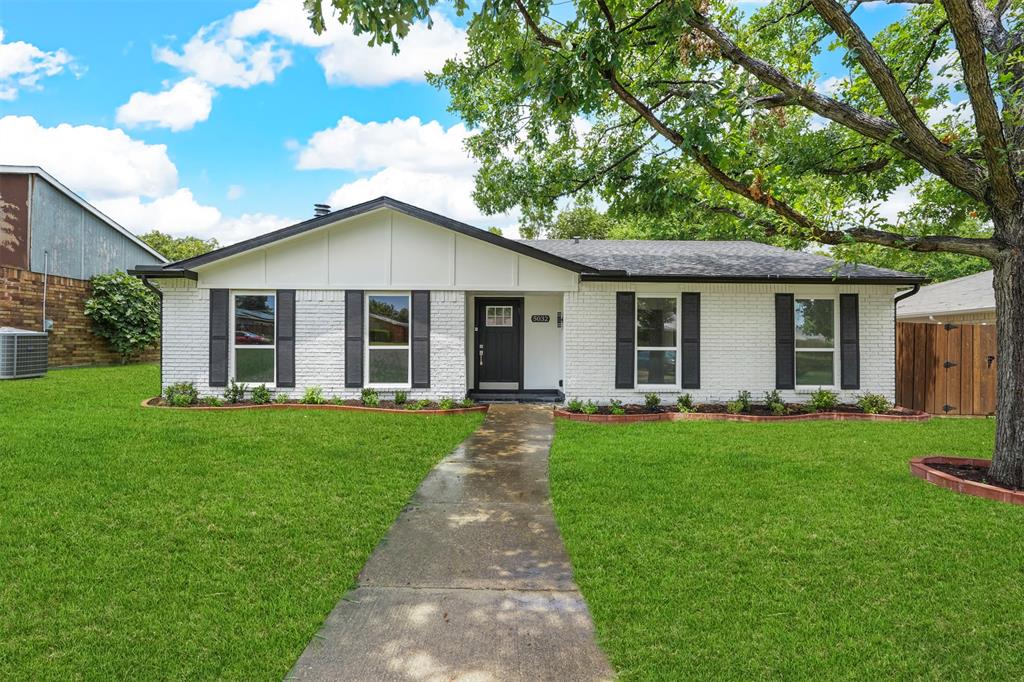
x=261, y=394
x=401, y=397
x=234, y=392
x=615, y=407
x=589, y=407
x=446, y=403
x=574, y=405
x=314, y=395
x=652, y=400
x=369, y=398
x=773, y=401
x=873, y=403
x=685, y=403
x=467, y=402
x=212, y=401
x=740, y=405
x=280, y=398
x=336, y=401
x=424, y=404
x=181, y=395
x=823, y=400
x=412, y=406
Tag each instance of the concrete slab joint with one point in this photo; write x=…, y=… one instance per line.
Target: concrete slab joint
x=472, y=581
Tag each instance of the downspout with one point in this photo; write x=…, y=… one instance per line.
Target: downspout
x=895, y=350
x=46, y=268
x=152, y=287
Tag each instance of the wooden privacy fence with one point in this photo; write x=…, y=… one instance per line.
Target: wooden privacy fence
x=946, y=368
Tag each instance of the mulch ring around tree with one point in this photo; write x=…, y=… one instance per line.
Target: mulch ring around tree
x=964, y=475
x=755, y=413
x=350, y=405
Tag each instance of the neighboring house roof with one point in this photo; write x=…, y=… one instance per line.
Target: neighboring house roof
x=681, y=261
x=697, y=261
x=963, y=295
x=36, y=170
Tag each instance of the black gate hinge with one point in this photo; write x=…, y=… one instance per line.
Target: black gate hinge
x=948, y=408
x=948, y=363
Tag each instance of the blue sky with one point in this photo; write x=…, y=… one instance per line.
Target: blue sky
x=229, y=119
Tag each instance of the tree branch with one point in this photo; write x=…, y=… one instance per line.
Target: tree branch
x=984, y=248
x=966, y=30
x=957, y=170
x=607, y=14
x=542, y=37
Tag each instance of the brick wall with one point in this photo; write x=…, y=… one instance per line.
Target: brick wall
x=72, y=341
x=319, y=342
x=737, y=340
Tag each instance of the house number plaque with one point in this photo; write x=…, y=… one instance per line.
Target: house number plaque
x=540, y=318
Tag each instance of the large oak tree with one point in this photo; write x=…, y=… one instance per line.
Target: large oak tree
x=658, y=105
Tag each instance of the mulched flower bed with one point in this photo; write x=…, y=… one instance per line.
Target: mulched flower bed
x=964, y=475
x=757, y=412
x=356, y=405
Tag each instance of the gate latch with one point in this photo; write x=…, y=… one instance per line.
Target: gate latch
x=948, y=408
x=989, y=360
x=948, y=363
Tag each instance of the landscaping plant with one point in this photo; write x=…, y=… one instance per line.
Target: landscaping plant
x=824, y=400
x=124, y=312
x=652, y=400
x=369, y=397
x=590, y=407
x=401, y=397
x=685, y=403
x=574, y=405
x=740, y=405
x=314, y=395
x=212, y=401
x=873, y=403
x=615, y=407
x=234, y=392
x=773, y=401
x=467, y=402
x=446, y=403
x=281, y=398
x=181, y=394
x=261, y=395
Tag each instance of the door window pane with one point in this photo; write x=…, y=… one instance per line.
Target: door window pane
x=389, y=366
x=656, y=367
x=498, y=316
x=254, y=320
x=815, y=323
x=389, y=320
x=814, y=368
x=656, y=322
x=254, y=364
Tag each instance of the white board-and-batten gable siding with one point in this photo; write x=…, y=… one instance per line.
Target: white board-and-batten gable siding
x=385, y=249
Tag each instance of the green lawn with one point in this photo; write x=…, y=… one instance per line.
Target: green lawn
x=142, y=543
x=750, y=551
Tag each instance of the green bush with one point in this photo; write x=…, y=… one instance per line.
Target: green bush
x=336, y=401
x=446, y=403
x=418, y=405
x=590, y=407
x=773, y=401
x=685, y=403
x=124, y=312
x=873, y=403
x=740, y=405
x=823, y=400
x=652, y=400
x=467, y=402
x=212, y=401
x=281, y=398
x=181, y=395
x=261, y=395
x=615, y=407
x=574, y=405
x=401, y=397
x=314, y=395
x=234, y=392
x=369, y=397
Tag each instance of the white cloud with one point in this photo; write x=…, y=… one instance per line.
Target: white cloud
x=22, y=65
x=831, y=86
x=899, y=200
x=218, y=58
x=407, y=144
x=179, y=214
x=177, y=108
x=284, y=18
x=99, y=162
x=235, y=192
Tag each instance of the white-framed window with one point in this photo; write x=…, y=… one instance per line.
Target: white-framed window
x=815, y=342
x=388, y=347
x=657, y=340
x=253, y=354
x=498, y=316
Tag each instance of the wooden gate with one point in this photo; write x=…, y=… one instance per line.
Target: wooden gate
x=946, y=369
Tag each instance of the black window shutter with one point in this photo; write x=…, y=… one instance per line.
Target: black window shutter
x=849, y=340
x=785, y=358
x=219, y=337
x=625, y=338
x=691, y=340
x=286, y=338
x=353, y=339
x=421, y=339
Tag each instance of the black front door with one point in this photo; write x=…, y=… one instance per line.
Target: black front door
x=499, y=344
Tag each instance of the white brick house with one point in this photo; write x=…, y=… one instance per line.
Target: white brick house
x=389, y=296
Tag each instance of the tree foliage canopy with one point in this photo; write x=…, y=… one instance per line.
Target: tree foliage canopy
x=124, y=312
x=179, y=248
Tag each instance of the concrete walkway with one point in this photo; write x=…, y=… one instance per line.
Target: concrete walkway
x=472, y=582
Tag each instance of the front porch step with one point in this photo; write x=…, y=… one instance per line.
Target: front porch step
x=549, y=396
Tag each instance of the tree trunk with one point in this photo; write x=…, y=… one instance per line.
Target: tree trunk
x=1008, y=282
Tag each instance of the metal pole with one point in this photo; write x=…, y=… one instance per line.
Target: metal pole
x=46, y=268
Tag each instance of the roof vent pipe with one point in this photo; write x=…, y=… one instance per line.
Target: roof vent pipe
x=575, y=239
x=320, y=210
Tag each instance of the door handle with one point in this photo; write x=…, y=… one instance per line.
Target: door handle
x=481, y=352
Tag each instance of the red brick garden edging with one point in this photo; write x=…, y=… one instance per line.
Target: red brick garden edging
x=910, y=416
x=153, y=402
x=919, y=468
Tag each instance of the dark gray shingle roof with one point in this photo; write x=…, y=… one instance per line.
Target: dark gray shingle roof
x=711, y=260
